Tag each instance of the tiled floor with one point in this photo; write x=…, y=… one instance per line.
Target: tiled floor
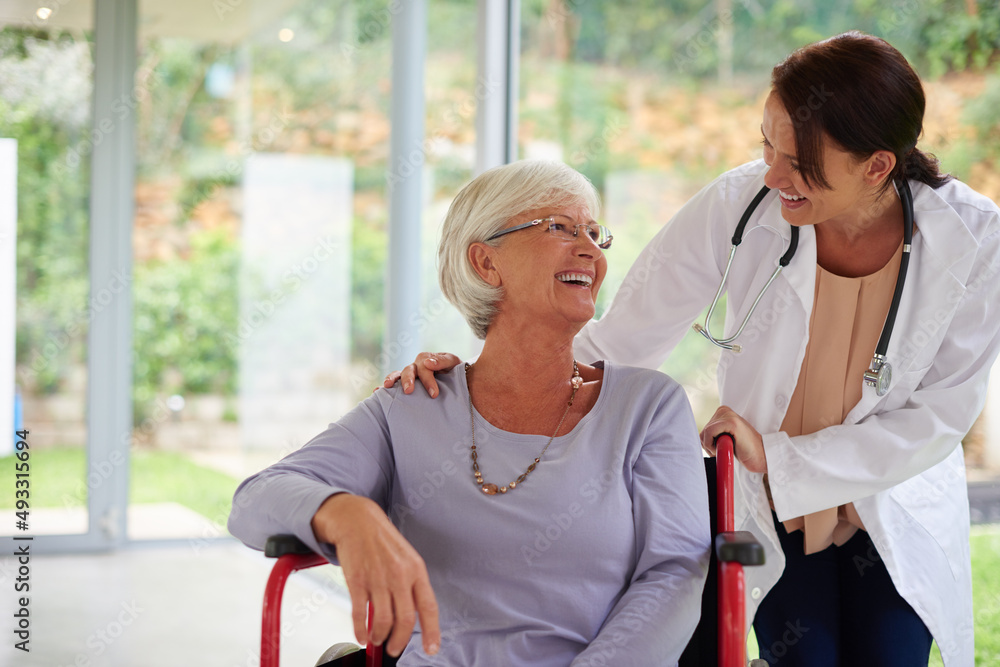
x=191, y=605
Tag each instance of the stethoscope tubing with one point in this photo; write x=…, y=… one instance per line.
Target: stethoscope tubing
x=726, y=343
x=793, y=243
x=875, y=378
x=906, y=198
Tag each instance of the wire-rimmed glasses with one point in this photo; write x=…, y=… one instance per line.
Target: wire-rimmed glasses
x=565, y=228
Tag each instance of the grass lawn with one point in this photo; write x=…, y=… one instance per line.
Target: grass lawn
x=57, y=477
x=58, y=480
x=985, y=543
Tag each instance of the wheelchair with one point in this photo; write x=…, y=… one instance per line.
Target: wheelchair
x=719, y=640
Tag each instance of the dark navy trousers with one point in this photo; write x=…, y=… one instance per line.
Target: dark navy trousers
x=837, y=608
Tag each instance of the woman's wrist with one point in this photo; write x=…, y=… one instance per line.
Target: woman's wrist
x=324, y=522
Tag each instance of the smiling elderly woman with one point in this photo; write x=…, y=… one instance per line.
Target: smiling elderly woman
x=542, y=511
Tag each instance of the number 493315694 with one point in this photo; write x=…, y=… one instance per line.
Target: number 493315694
x=22, y=479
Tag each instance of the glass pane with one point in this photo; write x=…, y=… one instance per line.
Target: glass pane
x=453, y=92
x=46, y=79
x=261, y=234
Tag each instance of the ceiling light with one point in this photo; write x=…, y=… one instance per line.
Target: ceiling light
x=43, y=13
x=286, y=34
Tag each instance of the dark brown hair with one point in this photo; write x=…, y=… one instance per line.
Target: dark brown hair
x=860, y=91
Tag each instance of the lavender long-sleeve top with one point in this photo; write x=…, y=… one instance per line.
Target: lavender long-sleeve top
x=598, y=558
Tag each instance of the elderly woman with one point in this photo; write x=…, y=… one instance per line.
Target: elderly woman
x=852, y=477
x=540, y=511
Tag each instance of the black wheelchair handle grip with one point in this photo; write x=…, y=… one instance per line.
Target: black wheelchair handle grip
x=281, y=545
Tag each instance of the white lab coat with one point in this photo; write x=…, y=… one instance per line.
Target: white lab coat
x=897, y=458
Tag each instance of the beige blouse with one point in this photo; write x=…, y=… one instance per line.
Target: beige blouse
x=846, y=322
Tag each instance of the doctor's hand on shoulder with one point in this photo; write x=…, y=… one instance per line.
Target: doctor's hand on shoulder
x=423, y=368
x=748, y=442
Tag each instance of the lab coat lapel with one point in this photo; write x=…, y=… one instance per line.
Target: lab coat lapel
x=774, y=376
x=801, y=271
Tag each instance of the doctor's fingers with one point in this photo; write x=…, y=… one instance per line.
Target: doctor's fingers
x=428, y=364
x=425, y=367
x=419, y=369
x=431, y=365
x=725, y=420
x=408, y=376
x=391, y=379
x=404, y=378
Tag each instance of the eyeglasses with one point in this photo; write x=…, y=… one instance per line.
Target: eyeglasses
x=565, y=228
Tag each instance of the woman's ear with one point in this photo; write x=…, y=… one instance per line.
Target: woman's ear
x=484, y=261
x=879, y=165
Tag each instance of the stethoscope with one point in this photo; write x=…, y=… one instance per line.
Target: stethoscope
x=879, y=373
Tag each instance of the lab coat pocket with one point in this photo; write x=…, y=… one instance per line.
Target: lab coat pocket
x=936, y=500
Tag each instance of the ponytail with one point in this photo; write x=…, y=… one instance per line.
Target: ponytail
x=923, y=167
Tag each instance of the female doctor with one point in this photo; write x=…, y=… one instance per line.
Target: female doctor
x=852, y=471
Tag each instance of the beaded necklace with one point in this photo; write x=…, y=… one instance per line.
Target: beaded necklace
x=491, y=489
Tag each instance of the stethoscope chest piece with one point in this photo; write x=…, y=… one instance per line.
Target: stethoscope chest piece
x=879, y=375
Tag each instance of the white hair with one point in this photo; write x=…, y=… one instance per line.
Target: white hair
x=487, y=205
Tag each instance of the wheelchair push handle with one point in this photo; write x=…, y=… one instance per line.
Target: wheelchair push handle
x=733, y=550
x=725, y=455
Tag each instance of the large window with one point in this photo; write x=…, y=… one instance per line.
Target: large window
x=262, y=204
x=46, y=139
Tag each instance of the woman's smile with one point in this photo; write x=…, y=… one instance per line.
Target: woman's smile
x=792, y=202
x=576, y=279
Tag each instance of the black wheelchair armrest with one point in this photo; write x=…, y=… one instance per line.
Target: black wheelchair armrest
x=281, y=545
x=739, y=547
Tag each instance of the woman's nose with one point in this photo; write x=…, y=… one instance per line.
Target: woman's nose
x=585, y=246
x=776, y=176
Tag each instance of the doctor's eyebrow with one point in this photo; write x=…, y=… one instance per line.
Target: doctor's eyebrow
x=768, y=144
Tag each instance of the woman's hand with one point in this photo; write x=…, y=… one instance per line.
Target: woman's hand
x=749, y=443
x=423, y=367
x=382, y=567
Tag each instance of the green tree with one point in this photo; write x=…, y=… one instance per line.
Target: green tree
x=185, y=314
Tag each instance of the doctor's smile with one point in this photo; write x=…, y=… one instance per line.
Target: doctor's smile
x=791, y=201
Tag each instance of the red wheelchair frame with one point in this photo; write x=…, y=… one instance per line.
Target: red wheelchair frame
x=732, y=550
